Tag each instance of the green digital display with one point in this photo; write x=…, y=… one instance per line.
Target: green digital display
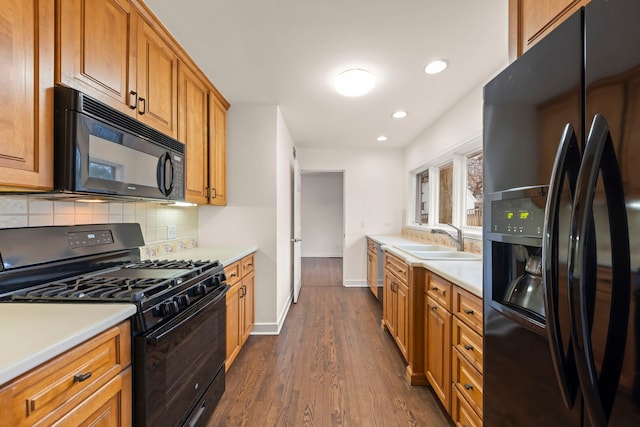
x=524, y=214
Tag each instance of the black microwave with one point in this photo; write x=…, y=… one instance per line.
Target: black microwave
x=100, y=151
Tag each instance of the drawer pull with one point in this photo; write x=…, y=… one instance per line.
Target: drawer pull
x=434, y=308
x=468, y=386
x=468, y=347
x=468, y=311
x=249, y=265
x=78, y=378
x=232, y=275
x=434, y=289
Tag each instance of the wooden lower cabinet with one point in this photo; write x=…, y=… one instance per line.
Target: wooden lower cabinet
x=373, y=276
x=453, y=323
x=88, y=385
x=403, y=311
x=240, y=305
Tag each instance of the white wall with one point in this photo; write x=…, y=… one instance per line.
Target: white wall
x=250, y=217
x=373, y=202
x=456, y=127
x=284, y=209
x=259, y=206
x=322, y=214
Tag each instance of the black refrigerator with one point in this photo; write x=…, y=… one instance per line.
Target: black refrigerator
x=561, y=227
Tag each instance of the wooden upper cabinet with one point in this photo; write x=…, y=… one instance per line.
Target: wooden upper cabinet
x=193, y=114
x=217, y=151
x=157, y=81
x=109, y=51
x=96, y=50
x=531, y=20
x=26, y=98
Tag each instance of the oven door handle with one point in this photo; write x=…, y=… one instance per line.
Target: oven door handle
x=163, y=331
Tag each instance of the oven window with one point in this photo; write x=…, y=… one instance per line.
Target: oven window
x=117, y=162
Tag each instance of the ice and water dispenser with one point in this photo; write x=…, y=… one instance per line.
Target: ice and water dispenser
x=514, y=232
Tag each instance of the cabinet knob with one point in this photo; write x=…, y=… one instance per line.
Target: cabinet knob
x=468, y=347
x=468, y=311
x=467, y=386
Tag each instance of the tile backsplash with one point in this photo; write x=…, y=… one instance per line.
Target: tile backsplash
x=154, y=218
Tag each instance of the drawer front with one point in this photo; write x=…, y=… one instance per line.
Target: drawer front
x=440, y=290
x=468, y=342
x=52, y=389
x=461, y=411
x=397, y=266
x=468, y=308
x=247, y=265
x=232, y=271
x=468, y=381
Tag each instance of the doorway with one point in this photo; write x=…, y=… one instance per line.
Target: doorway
x=322, y=223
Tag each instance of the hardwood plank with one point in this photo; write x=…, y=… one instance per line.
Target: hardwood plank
x=331, y=365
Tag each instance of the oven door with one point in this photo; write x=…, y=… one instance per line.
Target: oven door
x=176, y=364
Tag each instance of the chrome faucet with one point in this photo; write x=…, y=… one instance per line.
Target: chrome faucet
x=459, y=239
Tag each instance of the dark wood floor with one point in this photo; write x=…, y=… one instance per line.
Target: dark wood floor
x=331, y=365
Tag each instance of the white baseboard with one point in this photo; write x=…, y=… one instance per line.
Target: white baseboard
x=322, y=255
x=355, y=284
x=273, y=328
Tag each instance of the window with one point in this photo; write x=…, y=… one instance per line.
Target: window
x=473, y=195
x=422, y=201
x=449, y=189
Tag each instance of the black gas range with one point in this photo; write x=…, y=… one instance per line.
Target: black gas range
x=179, y=329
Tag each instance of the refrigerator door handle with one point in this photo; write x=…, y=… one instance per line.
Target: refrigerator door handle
x=567, y=163
x=599, y=158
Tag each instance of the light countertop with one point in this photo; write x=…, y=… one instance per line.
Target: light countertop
x=225, y=254
x=464, y=273
x=34, y=333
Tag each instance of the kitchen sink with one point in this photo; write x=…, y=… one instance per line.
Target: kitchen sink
x=423, y=248
x=444, y=255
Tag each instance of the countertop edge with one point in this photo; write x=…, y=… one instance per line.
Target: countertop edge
x=436, y=267
x=84, y=332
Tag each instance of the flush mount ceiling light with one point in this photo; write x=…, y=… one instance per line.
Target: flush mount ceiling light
x=354, y=82
x=437, y=66
x=399, y=114
x=382, y=138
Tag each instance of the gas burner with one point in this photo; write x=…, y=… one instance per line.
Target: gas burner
x=169, y=264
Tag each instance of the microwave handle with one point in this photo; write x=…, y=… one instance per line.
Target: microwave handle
x=163, y=172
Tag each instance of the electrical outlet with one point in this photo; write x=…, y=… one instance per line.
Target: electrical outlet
x=171, y=232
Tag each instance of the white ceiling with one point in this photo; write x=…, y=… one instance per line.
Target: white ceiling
x=286, y=52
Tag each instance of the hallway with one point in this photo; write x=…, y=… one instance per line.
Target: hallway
x=331, y=365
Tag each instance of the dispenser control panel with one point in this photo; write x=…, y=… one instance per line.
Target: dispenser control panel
x=519, y=212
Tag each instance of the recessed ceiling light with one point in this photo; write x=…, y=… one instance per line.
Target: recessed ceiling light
x=437, y=66
x=355, y=82
x=382, y=138
x=399, y=114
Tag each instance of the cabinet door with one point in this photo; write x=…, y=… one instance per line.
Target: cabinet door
x=26, y=98
x=374, y=274
x=157, y=81
x=233, y=324
x=192, y=131
x=531, y=20
x=438, y=351
x=97, y=50
x=217, y=152
x=387, y=302
x=247, y=305
x=370, y=273
x=402, y=319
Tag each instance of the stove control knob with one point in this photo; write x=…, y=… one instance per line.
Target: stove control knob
x=184, y=301
x=201, y=289
x=169, y=307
